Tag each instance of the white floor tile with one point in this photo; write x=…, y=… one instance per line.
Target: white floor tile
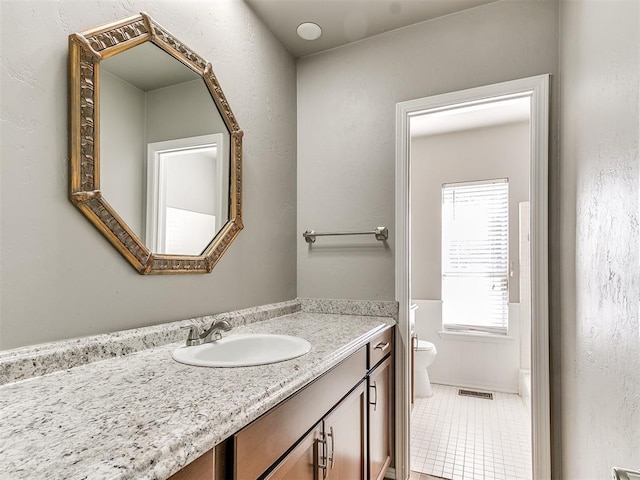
x=470, y=438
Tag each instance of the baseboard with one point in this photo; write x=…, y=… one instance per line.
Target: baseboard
x=477, y=386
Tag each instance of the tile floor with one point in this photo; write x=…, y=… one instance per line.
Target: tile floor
x=422, y=476
x=466, y=438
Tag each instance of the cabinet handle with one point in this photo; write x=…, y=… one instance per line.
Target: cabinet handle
x=333, y=445
x=322, y=456
x=375, y=398
x=382, y=346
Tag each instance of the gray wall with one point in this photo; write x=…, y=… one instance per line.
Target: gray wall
x=346, y=126
x=130, y=118
x=182, y=110
x=60, y=277
x=600, y=338
x=123, y=148
x=480, y=154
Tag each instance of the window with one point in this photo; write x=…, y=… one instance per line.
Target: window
x=475, y=256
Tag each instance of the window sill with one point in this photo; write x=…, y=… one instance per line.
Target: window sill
x=475, y=337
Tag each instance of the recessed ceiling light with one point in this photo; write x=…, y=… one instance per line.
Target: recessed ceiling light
x=309, y=31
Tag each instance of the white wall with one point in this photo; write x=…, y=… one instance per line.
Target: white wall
x=59, y=276
x=346, y=127
x=600, y=335
x=192, y=182
x=500, y=151
x=468, y=361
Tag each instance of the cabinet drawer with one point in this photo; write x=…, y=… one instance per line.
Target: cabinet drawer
x=379, y=347
x=261, y=443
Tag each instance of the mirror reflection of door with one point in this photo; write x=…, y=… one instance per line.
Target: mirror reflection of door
x=186, y=200
x=150, y=98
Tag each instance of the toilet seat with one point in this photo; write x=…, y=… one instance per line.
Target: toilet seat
x=424, y=346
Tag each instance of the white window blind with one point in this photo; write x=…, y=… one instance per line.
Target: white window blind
x=475, y=256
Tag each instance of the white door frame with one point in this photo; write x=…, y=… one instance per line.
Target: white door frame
x=537, y=88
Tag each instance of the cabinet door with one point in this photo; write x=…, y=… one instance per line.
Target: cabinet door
x=200, y=469
x=345, y=435
x=259, y=445
x=302, y=462
x=380, y=419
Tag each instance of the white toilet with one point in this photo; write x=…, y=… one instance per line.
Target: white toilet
x=424, y=355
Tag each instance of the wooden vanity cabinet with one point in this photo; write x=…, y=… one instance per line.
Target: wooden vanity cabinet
x=380, y=390
x=339, y=427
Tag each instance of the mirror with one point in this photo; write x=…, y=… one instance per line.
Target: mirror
x=164, y=150
x=152, y=132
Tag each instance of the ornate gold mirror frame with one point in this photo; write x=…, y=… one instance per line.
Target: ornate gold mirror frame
x=86, y=50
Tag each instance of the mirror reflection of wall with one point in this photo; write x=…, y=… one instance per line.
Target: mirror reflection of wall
x=148, y=97
x=122, y=131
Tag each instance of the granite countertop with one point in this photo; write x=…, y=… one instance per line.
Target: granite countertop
x=145, y=416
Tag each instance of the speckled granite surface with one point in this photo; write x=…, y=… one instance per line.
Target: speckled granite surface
x=27, y=362
x=350, y=307
x=145, y=416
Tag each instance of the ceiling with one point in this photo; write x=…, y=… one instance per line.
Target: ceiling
x=469, y=117
x=346, y=21
x=148, y=67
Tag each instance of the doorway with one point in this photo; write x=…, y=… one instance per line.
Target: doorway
x=447, y=279
x=186, y=196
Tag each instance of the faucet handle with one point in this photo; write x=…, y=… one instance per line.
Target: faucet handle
x=193, y=338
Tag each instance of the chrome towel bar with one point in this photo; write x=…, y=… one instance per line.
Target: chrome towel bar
x=381, y=233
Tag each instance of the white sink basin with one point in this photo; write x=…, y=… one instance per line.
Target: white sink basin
x=243, y=350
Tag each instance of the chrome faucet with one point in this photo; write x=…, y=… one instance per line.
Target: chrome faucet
x=214, y=332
